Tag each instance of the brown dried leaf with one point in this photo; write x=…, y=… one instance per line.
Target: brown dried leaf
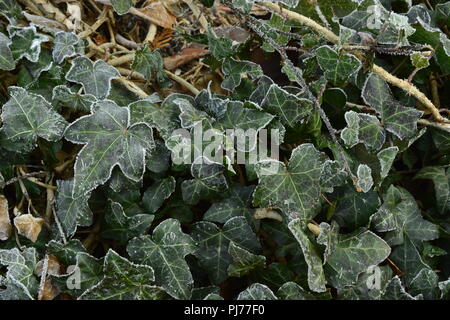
x=159, y=15
x=28, y=226
x=5, y=222
x=49, y=292
x=52, y=269
x=184, y=56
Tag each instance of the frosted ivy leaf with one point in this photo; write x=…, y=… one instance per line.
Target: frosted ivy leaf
x=86, y=272
x=118, y=226
x=419, y=60
x=353, y=208
x=365, y=180
x=270, y=27
x=109, y=140
x=294, y=189
x=165, y=252
x=441, y=181
x=220, y=47
x=400, y=216
x=289, y=108
x=6, y=58
x=66, y=45
x=395, y=30
x=163, y=117
x=333, y=175
x=158, y=161
x=65, y=252
x=27, y=116
x=150, y=64
x=363, y=128
x=353, y=254
x=26, y=42
x=243, y=261
x=14, y=289
x=238, y=115
x=65, y=96
x=293, y=291
x=71, y=212
x=189, y=115
x=11, y=10
x=212, y=105
x=234, y=71
x=213, y=242
x=95, y=77
x=338, y=68
x=426, y=284
x=316, y=276
x=236, y=203
x=398, y=119
x=124, y=280
x=20, y=268
x=386, y=158
x=121, y=6
x=208, y=181
x=395, y=291
x=260, y=92
x=329, y=237
x=257, y=291
x=157, y=193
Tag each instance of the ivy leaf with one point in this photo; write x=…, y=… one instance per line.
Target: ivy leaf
x=65, y=252
x=95, y=77
x=109, y=140
x=27, y=116
x=338, y=68
x=20, y=266
x=257, y=291
x=165, y=252
x=6, y=57
x=365, y=180
x=236, y=203
x=124, y=280
x=293, y=291
x=26, y=42
x=316, y=276
x=398, y=119
x=66, y=45
x=400, y=216
x=157, y=193
x=419, y=60
x=208, y=181
x=294, y=189
x=426, y=284
x=11, y=10
x=353, y=209
x=212, y=248
x=83, y=275
x=243, y=261
x=395, y=291
x=441, y=181
x=221, y=48
x=163, y=117
x=238, y=116
x=64, y=95
x=71, y=212
x=120, y=227
x=289, y=108
x=121, y=6
x=235, y=71
x=151, y=65
x=386, y=158
x=365, y=129
x=353, y=254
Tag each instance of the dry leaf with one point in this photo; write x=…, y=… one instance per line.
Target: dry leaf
x=183, y=57
x=53, y=267
x=159, y=15
x=5, y=222
x=49, y=292
x=28, y=226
